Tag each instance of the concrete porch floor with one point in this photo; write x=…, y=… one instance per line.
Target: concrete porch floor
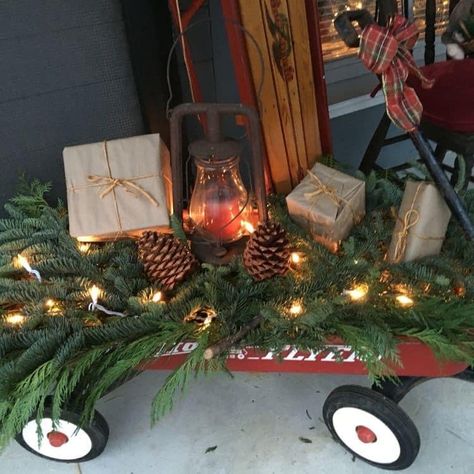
x=255, y=421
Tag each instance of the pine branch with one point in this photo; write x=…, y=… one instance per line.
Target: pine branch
x=177, y=227
x=178, y=381
x=78, y=355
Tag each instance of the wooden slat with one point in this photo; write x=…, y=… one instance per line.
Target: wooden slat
x=306, y=83
x=289, y=104
x=295, y=98
x=283, y=102
x=268, y=106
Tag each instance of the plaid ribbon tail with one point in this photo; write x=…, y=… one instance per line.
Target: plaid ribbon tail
x=386, y=51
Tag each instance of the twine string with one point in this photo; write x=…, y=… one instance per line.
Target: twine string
x=331, y=193
x=322, y=188
x=407, y=224
x=128, y=184
x=117, y=212
x=402, y=236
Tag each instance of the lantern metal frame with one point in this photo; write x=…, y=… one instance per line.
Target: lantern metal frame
x=214, y=145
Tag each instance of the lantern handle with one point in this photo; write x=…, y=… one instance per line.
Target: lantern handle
x=213, y=111
x=210, y=21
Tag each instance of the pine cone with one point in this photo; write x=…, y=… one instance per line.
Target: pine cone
x=165, y=258
x=267, y=252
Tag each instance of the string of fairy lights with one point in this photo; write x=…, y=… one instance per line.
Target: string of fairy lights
x=53, y=307
x=358, y=293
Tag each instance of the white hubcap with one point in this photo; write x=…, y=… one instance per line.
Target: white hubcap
x=384, y=450
x=78, y=445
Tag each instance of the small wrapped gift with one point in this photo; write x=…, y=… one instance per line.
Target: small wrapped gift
x=327, y=203
x=421, y=225
x=117, y=188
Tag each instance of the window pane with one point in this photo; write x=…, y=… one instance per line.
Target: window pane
x=334, y=48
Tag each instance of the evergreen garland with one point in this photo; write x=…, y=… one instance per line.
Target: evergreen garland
x=54, y=350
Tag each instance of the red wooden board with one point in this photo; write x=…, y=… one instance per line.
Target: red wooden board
x=417, y=360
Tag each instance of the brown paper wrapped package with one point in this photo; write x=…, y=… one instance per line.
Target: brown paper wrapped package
x=421, y=225
x=117, y=188
x=327, y=203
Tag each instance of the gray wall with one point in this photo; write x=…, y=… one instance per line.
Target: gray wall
x=65, y=79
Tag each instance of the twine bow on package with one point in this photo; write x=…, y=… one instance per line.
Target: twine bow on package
x=117, y=188
x=328, y=204
x=422, y=222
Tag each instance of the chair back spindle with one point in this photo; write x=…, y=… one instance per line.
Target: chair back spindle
x=430, y=31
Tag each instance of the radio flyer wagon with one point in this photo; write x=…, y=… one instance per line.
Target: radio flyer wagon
x=368, y=422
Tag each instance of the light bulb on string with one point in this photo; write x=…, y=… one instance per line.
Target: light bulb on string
x=248, y=227
x=152, y=296
x=157, y=297
x=23, y=262
x=83, y=247
x=404, y=300
x=296, y=308
x=357, y=293
x=296, y=259
x=95, y=292
x=15, y=319
x=52, y=307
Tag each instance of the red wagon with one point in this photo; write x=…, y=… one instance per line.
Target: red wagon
x=367, y=421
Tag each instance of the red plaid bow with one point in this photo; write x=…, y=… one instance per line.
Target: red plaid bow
x=386, y=51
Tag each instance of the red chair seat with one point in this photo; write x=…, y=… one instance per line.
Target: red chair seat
x=450, y=102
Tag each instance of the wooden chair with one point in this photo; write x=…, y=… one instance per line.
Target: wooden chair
x=448, y=108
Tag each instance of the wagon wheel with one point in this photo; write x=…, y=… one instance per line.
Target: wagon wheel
x=67, y=442
x=372, y=427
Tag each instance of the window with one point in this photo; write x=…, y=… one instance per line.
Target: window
x=334, y=48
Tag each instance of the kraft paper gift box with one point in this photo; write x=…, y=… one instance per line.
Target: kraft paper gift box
x=117, y=188
x=327, y=203
x=421, y=224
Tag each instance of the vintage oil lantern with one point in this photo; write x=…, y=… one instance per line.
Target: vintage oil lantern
x=221, y=209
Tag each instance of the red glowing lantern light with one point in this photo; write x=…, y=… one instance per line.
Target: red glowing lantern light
x=220, y=207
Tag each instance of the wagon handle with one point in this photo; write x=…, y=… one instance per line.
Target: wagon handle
x=345, y=28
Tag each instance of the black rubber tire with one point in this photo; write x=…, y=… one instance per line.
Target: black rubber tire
x=98, y=432
x=384, y=409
